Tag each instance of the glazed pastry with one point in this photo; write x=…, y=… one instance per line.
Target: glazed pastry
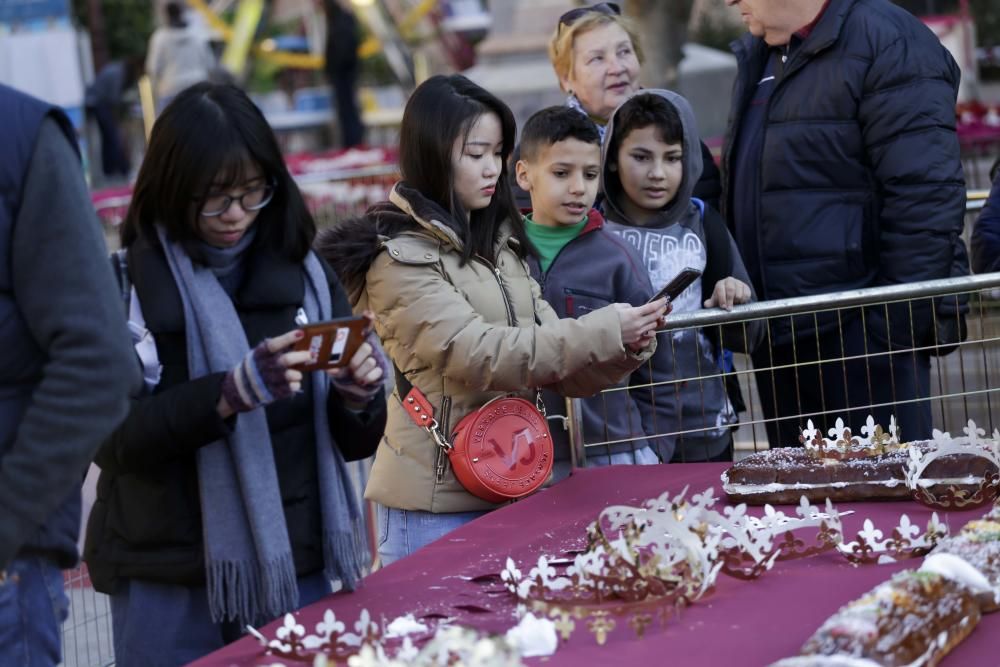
x=977, y=547
x=782, y=476
x=912, y=620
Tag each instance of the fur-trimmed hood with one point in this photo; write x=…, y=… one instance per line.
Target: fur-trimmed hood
x=352, y=245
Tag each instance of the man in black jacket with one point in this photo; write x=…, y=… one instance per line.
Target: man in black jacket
x=841, y=171
x=66, y=368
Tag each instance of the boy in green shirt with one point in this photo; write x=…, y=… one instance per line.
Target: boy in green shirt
x=581, y=267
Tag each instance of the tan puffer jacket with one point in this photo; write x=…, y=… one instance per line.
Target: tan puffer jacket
x=463, y=335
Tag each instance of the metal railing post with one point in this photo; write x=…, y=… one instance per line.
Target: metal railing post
x=574, y=424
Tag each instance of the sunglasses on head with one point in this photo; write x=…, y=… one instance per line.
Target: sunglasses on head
x=573, y=15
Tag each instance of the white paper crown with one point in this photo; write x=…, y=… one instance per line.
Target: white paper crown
x=843, y=443
x=970, y=491
x=391, y=645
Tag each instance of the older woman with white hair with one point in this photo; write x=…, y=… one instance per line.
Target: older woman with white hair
x=596, y=54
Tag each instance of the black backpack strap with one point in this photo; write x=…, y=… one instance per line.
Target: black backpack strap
x=718, y=251
x=119, y=262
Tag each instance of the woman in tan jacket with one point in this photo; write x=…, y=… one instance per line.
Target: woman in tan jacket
x=441, y=264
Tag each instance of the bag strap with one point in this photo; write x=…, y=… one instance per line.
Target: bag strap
x=119, y=261
x=421, y=412
x=142, y=337
x=420, y=409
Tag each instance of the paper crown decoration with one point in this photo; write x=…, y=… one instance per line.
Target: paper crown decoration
x=392, y=644
x=647, y=563
x=966, y=491
x=969, y=491
x=843, y=444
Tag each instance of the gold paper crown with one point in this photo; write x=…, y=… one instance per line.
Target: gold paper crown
x=843, y=444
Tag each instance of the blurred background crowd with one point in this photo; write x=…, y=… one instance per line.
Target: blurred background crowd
x=333, y=75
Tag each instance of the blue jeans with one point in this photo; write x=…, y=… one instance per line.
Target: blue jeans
x=33, y=606
x=165, y=625
x=401, y=532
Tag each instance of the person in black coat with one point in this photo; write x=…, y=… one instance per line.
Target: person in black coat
x=223, y=497
x=343, y=37
x=985, y=241
x=841, y=170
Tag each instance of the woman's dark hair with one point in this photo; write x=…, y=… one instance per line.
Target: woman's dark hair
x=440, y=111
x=212, y=134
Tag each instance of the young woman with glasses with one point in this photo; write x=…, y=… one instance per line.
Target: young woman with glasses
x=223, y=498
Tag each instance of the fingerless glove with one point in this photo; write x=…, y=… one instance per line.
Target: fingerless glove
x=258, y=380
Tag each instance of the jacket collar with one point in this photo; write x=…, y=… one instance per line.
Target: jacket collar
x=431, y=217
x=824, y=32
x=803, y=32
x=436, y=221
x=595, y=221
x=828, y=27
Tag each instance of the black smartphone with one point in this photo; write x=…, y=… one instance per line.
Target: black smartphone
x=678, y=284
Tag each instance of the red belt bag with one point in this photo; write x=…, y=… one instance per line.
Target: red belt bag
x=500, y=452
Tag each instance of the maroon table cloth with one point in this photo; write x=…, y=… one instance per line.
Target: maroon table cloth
x=746, y=623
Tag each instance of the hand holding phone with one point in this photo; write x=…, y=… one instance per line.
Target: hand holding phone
x=677, y=285
x=331, y=344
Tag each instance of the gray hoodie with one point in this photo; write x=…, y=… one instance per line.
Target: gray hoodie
x=677, y=239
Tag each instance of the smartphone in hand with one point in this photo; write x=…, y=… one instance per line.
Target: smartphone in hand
x=677, y=285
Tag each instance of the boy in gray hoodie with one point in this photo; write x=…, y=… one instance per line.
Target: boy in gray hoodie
x=650, y=163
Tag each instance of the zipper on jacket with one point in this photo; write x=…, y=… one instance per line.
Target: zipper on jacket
x=511, y=319
x=760, y=182
x=439, y=465
x=444, y=416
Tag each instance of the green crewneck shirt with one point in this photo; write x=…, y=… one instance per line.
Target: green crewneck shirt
x=550, y=240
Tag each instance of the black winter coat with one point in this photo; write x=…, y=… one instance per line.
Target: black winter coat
x=860, y=178
x=146, y=521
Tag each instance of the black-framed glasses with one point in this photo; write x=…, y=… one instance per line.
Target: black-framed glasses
x=251, y=200
x=573, y=15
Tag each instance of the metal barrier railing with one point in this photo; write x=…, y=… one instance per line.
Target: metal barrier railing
x=817, y=339
x=959, y=384
x=87, y=639
x=339, y=194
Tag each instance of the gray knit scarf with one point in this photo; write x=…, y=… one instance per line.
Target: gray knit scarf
x=248, y=559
